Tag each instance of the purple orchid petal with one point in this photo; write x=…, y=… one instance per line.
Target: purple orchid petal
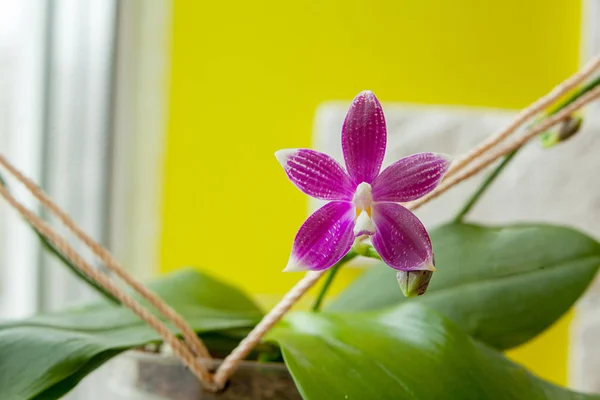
x=401, y=239
x=410, y=177
x=316, y=174
x=364, y=138
x=324, y=238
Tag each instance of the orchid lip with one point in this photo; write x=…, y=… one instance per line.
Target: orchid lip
x=364, y=225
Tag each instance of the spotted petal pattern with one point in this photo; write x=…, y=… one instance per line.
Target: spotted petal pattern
x=364, y=138
x=324, y=238
x=316, y=174
x=410, y=178
x=401, y=239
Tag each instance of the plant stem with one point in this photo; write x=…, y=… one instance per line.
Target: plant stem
x=370, y=252
x=580, y=92
x=316, y=307
x=53, y=250
x=484, y=186
x=328, y=280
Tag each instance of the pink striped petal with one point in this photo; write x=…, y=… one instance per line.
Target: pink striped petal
x=400, y=238
x=316, y=174
x=324, y=238
x=364, y=138
x=410, y=177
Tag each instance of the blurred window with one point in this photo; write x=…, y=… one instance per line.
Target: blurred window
x=81, y=108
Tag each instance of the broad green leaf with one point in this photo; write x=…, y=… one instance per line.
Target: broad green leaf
x=502, y=285
x=410, y=352
x=48, y=355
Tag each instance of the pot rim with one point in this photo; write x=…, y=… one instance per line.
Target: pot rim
x=166, y=358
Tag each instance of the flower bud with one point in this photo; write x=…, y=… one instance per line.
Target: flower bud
x=568, y=128
x=413, y=283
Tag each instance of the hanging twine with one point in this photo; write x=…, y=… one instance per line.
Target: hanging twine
x=179, y=348
x=191, y=350
x=484, y=161
x=110, y=262
x=535, y=108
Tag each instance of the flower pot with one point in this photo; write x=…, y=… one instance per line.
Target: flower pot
x=136, y=375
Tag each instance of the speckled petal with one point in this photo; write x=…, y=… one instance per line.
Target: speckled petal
x=410, y=177
x=401, y=239
x=316, y=174
x=364, y=138
x=324, y=238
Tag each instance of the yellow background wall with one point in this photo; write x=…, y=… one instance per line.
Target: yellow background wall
x=247, y=77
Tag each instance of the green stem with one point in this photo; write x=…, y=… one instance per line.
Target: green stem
x=580, y=92
x=316, y=307
x=53, y=250
x=371, y=253
x=328, y=280
x=484, y=186
x=366, y=250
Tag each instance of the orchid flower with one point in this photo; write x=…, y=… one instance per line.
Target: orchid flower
x=362, y=201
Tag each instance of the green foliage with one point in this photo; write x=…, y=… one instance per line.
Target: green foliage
x=408, y=352
x=47, y=355
x=371, y=343
x=488, y=279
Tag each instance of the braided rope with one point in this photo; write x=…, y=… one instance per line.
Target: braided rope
x=111, y=263
x=181, y=350
x=487, y=160
x=536, y=107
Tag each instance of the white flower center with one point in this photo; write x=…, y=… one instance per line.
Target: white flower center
x=362, y=200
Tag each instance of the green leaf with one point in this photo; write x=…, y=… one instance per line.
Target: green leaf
x=488, y=279
x=47, y=355
x=410, y=352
